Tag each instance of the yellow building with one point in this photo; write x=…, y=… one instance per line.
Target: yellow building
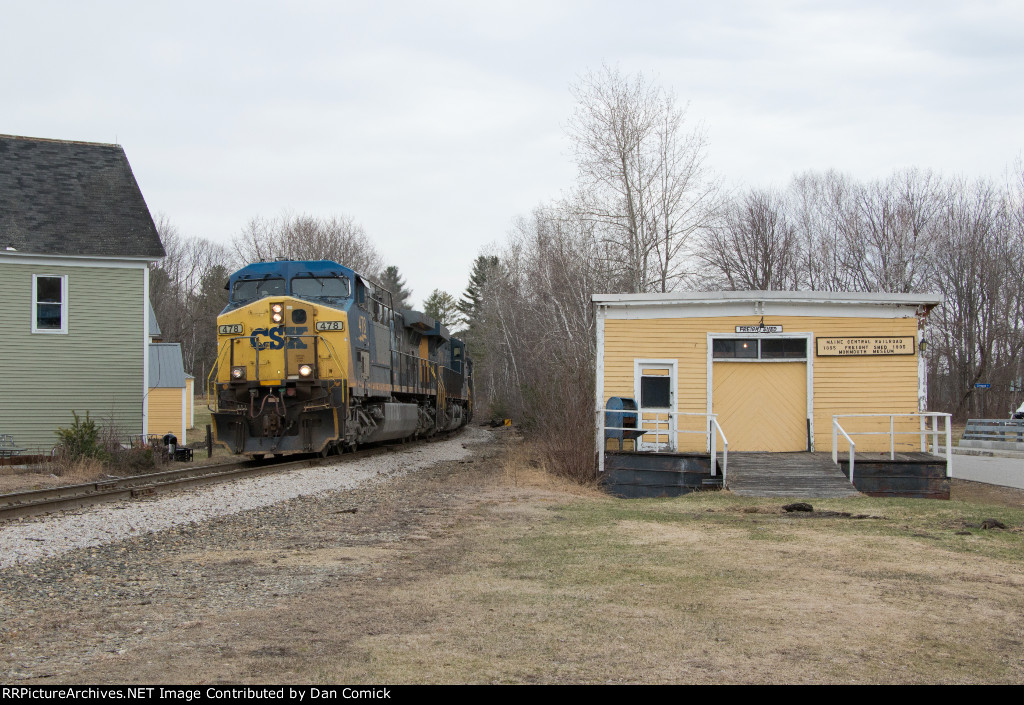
x=771, y=367
x=168, y=397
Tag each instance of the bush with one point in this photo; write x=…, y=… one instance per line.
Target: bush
x=81, y=440
x=87, y=448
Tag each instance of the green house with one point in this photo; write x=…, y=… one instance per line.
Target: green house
x=76, y=242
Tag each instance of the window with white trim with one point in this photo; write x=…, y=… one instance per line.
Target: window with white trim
x=49, y=303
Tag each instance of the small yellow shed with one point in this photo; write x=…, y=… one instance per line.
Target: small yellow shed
x=771, y=367
x=169, y=402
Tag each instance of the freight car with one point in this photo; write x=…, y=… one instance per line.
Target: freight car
x=314, y=358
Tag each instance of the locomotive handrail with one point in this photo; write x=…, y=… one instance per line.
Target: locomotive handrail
x=441, y=396
x=211, y=380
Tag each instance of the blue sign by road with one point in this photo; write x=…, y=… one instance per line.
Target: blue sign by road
x=979, y=385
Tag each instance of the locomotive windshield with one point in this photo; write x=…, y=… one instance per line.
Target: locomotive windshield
x=313, y=287
x=252, y=289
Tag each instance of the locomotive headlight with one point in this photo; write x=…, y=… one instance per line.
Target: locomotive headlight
x=276, y=313
x=305, y=370
x=237, y=373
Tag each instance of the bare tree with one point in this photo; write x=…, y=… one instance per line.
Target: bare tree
x=977, y=332
x=305, y=237
x=756, y=247
x=643, y=181
x=822, y=207
x=187, y=293
x=537, y=329
x=891, y=243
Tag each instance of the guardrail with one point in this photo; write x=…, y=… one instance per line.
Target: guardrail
x=711, y=431
x=997, y=430
x=923, y=432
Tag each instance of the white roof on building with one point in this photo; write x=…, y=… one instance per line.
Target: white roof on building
x=803, y=297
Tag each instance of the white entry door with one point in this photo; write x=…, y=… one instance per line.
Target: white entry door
x=655, y=390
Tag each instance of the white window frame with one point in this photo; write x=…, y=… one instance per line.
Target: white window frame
x=63, y=330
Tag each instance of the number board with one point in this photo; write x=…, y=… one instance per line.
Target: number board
x=330, y=325
x=902, y=345
x=231, y=329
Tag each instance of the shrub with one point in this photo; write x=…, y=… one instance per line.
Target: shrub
x=81, y=440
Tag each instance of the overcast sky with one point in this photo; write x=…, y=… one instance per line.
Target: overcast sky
x=434, y=124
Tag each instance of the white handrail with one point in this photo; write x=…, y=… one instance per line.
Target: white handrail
x=709, y=432
x=725, y=453
x=836, y=429
x=892, y=433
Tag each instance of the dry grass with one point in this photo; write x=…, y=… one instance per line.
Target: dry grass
x=497, y=572
x=712, y=588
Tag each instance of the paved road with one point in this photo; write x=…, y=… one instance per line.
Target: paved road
x=1008, y=472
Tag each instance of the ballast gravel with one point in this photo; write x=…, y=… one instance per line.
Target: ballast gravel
x=39, y=537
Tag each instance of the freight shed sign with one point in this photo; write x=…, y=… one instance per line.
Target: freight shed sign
x=903, y=345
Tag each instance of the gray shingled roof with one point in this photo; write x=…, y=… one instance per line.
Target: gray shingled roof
x=72, y=198
x=166, y=368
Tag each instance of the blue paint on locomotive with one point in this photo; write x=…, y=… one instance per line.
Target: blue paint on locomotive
x=270, y=273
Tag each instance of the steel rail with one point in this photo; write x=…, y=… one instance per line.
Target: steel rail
x=35, y=502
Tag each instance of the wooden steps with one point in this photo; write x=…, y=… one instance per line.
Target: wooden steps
x=787, y=475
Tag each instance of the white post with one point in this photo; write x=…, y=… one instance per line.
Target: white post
x=924, y=434
x=835, y=440
x=852, y=454
x=935, y=434
x=892, y=437
x=601, y=441
x=949, y=446
x=714, y=444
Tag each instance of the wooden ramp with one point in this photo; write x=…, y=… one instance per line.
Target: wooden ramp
x=787, y=475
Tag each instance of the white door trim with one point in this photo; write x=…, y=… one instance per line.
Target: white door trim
x=809, y=337
x=672, y=366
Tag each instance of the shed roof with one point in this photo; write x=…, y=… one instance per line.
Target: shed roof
x=166, y=368
x=72, y=198
x=154, y=326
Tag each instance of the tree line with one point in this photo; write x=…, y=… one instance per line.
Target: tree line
x=647, y=215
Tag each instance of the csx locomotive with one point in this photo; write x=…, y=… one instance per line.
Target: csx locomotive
x=313, y=358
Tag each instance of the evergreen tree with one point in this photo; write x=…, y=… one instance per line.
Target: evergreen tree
x=472, y=298
x=443, y=307
x=394, y=282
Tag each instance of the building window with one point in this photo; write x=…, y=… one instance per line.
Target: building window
x=774, y=348
x=49, y=304
x=735, y=348
x=759, y=348
x=655, y=392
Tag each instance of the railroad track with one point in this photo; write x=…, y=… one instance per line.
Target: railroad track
x=34, y=502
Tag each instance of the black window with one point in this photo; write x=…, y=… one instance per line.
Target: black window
x=311, y=287
x=735, y=348
x=253, y=289
x=655, y=392
x=772, y=348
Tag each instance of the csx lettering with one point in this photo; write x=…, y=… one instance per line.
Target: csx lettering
x=277, y=338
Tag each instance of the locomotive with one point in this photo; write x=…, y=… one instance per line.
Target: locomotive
x=314, y=358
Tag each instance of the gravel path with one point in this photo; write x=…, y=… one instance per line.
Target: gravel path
x=32, y=539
